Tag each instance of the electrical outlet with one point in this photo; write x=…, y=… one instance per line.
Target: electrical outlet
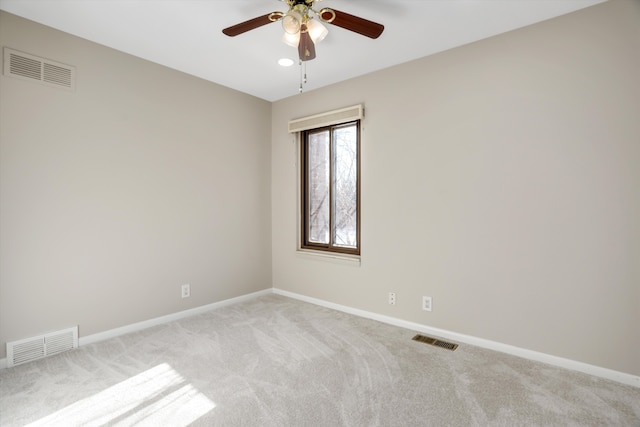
x=186, y=291
x=427, y=303
x=392, y=298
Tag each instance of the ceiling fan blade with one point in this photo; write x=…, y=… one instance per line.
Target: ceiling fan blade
x=352, y=23
x=306, y=48
x=251, y=24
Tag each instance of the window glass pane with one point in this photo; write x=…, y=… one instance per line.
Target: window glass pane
x=318, y=200
x=345, y=206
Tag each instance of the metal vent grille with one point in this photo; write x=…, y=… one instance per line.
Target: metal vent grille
x=29, y=67
x=35, y=348
x=57, y=75
x=23, y=66
x=435, y=342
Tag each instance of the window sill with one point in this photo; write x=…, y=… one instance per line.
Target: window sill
x=329, y=257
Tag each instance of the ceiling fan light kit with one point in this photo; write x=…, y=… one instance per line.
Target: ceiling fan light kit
x=291, y=39
x=302, y=26
x=316, y=30
x=292, y=21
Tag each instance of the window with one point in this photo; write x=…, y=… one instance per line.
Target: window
x=331, y=188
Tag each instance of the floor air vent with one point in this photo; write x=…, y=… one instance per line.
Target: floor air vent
x=35, y=348
x=435, y=342
x=30, y=67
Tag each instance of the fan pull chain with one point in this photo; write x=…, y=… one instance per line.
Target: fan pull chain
x=300, y=63
x=303, y=74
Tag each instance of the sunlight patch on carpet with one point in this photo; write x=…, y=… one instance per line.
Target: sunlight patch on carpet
x=159, y=396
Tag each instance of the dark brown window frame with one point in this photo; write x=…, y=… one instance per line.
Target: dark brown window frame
x=331, y=247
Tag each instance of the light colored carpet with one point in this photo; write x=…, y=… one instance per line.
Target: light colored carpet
x=275, y=361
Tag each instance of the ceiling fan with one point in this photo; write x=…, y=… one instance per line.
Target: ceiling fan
x=302, y=28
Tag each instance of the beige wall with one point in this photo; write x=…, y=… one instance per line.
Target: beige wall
x=501, y=178
x=116, y=194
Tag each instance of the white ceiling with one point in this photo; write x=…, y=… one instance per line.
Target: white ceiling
x=186, y=34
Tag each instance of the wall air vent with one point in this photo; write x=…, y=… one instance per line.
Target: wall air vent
x=436, y=342
x=30, y=67
x=35, y=348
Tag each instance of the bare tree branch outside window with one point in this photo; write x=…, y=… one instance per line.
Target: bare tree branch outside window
x=331, y=186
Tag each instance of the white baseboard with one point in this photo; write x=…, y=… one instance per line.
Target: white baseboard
x=112, y=333
x=597, y=371
x=573, y=365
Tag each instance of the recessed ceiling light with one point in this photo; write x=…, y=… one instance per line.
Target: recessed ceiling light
x=285, y=62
